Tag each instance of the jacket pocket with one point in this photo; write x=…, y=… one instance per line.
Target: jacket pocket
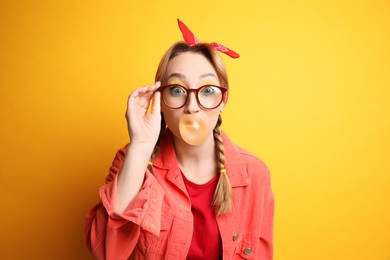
x=248, y=247
x=158, y=244
x=150, y=244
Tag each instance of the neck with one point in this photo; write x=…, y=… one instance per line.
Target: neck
x=196, y=162
x=198, y=153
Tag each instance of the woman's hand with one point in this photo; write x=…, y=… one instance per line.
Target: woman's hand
x=144, y=127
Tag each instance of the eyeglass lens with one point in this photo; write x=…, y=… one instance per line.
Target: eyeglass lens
x=208, y=96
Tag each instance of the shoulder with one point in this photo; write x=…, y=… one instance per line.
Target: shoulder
x=243, y=160
x=254, y=165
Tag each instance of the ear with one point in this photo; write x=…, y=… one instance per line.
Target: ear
x=224, y=101
x=225, y=97
x=223, y=104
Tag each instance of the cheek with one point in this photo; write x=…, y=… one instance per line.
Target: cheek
x=172, y=119
x=212, y=117
x=212, y=120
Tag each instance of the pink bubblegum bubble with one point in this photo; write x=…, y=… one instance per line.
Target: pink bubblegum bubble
x=192, y=129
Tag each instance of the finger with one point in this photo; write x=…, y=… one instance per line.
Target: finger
x=143, y=95
x=145, y=90
x=151, y=88
x=148, y=91
x=156, y=103
x=157, y=84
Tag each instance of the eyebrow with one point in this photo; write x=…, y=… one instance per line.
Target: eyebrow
x=207, y=75
x=181, y=76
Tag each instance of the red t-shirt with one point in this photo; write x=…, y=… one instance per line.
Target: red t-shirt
x=206, y=241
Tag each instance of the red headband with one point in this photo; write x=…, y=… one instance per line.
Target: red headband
x=190, y=38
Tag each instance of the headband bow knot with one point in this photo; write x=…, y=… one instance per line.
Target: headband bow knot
x=190, y=38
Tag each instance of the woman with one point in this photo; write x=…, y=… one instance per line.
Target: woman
x=174, y=194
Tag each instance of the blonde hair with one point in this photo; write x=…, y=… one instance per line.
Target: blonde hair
x=222, y=199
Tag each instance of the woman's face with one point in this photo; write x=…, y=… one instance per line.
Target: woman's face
x=191, y=70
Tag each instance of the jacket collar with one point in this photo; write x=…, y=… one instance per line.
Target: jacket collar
x=235, y=167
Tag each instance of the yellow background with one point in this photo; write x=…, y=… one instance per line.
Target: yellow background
x=310, y=96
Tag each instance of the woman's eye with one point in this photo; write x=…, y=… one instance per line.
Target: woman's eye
x=177, y=91
x=208, y=91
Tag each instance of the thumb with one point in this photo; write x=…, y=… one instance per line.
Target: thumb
x=156, y=103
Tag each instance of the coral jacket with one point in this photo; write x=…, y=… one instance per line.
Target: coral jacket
x=158, y=223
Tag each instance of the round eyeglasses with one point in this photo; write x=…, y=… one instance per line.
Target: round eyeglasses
x=208, y=96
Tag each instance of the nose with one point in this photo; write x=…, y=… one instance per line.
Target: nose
x=191, y=105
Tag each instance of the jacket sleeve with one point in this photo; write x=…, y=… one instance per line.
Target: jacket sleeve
x=266, y=236
x=111, y=235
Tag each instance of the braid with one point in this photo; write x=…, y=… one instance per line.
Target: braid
x=157, y=146
x=222, y=200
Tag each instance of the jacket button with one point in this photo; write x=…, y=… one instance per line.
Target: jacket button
x=247, y=251
x=236, y=236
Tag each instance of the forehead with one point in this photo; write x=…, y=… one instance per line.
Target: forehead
x=191, y=65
